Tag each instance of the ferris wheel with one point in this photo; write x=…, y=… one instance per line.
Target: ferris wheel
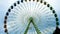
x=31, y=17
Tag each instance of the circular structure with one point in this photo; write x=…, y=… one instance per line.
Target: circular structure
x=30, y=17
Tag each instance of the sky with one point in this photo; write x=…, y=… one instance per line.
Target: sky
x=5, y=4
